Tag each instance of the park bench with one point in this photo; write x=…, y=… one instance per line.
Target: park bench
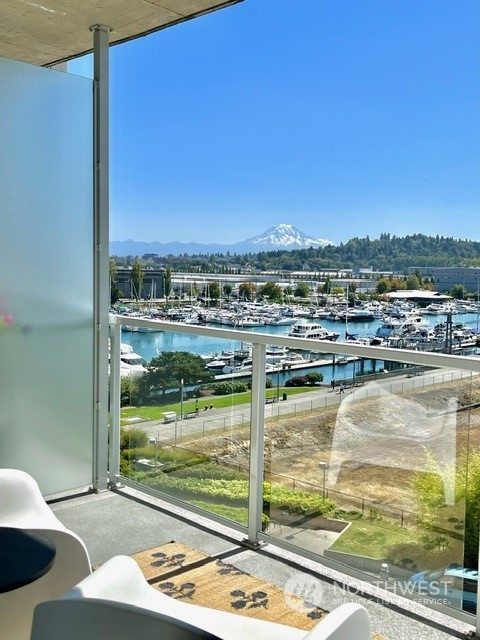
x=271, y=400
x=190, y=414
x=169, y=416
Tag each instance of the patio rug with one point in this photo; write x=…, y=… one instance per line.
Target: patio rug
x=192, y=576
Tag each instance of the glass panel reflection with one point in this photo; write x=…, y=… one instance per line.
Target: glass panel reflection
x=377, y=469
x=186, y=419
x=367, y=462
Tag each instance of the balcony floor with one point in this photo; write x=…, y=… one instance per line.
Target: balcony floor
x=127, y=521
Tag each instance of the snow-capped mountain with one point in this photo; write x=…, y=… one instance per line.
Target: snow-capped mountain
x=282, y=236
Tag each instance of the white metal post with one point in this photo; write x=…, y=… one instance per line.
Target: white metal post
x=257, y=430
x=115, y=389
x=101, y=252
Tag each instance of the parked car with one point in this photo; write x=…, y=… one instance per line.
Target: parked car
x=454, y=586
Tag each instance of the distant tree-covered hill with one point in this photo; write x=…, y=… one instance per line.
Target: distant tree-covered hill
x=387, y=253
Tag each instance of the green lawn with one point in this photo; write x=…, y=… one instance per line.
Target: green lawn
x=155, y=412
x=372, y=538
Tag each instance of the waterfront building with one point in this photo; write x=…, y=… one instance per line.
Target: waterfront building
x=445, y=278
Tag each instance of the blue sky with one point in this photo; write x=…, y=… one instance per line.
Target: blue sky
x=343, y=118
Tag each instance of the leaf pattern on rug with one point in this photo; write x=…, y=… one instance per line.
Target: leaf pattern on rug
x=254, y=600
x=166, y=560
x=316, y=614
x=228, y=569
x=184, y=591
x=194, y=577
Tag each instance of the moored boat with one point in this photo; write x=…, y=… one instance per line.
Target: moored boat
x=312, y=331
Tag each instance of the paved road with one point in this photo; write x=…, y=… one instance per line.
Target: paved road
x=227, y=419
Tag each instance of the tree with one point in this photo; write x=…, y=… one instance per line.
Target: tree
x=137, y=279
x=459, y=292
x=413, y=282
x=383, y=286
x=247, y=290
x=128, y=390
x=170, y=368
x=115, y=292
x=429, y=487
x=227, y=289
x=302, y=290
x=337, y=291
x=288, y=291
x=469, y=480
x=398, y=284
x=272, y=291
x=327, y=286
x=214, y=292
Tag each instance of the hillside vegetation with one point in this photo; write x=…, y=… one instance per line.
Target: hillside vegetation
x=387, y=253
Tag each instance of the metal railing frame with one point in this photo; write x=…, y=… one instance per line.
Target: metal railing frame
x=259, y=342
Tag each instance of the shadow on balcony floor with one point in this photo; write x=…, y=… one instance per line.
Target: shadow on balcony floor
x=127, y=521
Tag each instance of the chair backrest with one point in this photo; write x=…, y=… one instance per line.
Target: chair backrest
x=116, y=601
x=22, y=504
x=91, y=619
x=120, y=579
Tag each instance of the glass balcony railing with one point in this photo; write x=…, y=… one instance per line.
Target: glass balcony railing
x=365, y=458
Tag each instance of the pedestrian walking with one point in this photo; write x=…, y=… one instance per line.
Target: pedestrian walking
x=342, y=388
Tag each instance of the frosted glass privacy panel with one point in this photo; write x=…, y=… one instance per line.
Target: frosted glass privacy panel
x=46, y=274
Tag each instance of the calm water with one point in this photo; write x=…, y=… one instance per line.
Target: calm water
x=148, y=344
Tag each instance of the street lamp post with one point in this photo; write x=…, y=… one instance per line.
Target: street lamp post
x=181, y=399
x=278, y=382
x=323, y=466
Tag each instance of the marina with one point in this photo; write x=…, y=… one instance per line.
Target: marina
x=400, y=328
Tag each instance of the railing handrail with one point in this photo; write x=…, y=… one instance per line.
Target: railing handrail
x=437, y=360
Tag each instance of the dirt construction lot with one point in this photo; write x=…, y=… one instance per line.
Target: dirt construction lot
x=373, y=442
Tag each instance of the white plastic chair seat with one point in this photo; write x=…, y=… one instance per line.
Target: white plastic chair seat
x=22, y=506
x=116, y=601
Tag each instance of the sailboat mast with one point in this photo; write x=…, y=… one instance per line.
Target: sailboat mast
x=346, y=317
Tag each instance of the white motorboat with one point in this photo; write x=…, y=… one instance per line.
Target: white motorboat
x=275, y=355
x=246, y=367
x=217, y=365
x=312, y=330
x=131, y=364
x=401, y=326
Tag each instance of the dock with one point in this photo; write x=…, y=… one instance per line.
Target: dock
x=286, y=368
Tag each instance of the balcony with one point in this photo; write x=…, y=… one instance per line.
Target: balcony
x=356, y=468
x=367, y=487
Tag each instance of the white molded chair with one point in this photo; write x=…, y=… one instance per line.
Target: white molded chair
x=117, y=602
x=22, y=506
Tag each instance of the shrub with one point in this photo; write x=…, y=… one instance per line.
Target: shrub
x=132, y=439
x=211, y=471
x=297, y=381
x=129, y=391
x=227, y=388
x=314, y=377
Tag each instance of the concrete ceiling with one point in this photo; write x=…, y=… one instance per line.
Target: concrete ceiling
x=46, y=32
